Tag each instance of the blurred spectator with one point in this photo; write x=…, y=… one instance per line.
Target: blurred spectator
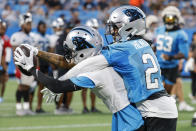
x=75, y=5
x=5, y=58
x=193, y=72
x=42, y=42
x=22, y=6
x=9, y=15
x=3, y=3
x=63, y=106
x=94, y=24
x=102, y=5
x=89, y=5
x=54, y=4
x=75, y=17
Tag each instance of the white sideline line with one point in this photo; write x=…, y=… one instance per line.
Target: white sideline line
x=183, y=121
x=56, y=126
x=68, y=126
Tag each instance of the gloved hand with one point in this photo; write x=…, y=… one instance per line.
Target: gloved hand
x=22, y=60
x=51, y=96
x=34, y=49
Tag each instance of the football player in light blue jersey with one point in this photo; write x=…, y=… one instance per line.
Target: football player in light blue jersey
x=83, y=42
x=171, y=45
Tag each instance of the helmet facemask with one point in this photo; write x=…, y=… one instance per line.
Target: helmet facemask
x=170, y=21
x=112, y=29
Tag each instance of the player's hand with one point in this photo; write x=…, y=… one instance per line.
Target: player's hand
x=34, y=49
x=166, y=57
x=50, y=96
x=22, y=60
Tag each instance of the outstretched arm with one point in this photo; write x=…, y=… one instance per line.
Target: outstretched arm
x=52, y=58
x=52, y=84
x=55, y=59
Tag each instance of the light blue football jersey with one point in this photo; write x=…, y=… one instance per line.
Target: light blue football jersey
x=170, y=43
x=137, y=64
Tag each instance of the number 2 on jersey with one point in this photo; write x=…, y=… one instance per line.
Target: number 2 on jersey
x=149, y=71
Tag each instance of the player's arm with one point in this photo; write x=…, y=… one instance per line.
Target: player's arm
x=57, y=86
x=54, y=85
x=52, y=58
x=55, y=59
x=174, y=57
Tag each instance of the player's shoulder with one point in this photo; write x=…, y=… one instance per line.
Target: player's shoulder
x=34, y=35
x=16, y=38
x=160, y=29
x=16, y=34
x=182, y=34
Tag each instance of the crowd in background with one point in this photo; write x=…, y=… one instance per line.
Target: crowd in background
x=79, y=11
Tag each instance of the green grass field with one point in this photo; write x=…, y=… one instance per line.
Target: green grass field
x=75, y=122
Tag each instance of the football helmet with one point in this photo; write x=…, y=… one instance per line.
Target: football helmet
x=82, y=38
x=150, y=20
x=171, y=16
x=58, y=23
x=25, y=18
x=125, y=22
x=93, y=23
x=58, y=26
x=181, y=21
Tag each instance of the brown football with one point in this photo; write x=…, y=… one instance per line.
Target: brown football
x=27, y=53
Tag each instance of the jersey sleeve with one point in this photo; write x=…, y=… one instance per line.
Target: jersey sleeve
x=183, y=44
x=90, y=64
x=83, y=81
x=14, y=40
x=114, y=54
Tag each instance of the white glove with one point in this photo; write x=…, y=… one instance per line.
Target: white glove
x=189, y=66
x=34, y=49
x=22, y=60
x=51, y=96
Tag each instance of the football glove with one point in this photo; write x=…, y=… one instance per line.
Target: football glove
x=22, y=60
x=34, y=49
x=50, y=96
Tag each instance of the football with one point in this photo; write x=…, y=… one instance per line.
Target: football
x=27, y=53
